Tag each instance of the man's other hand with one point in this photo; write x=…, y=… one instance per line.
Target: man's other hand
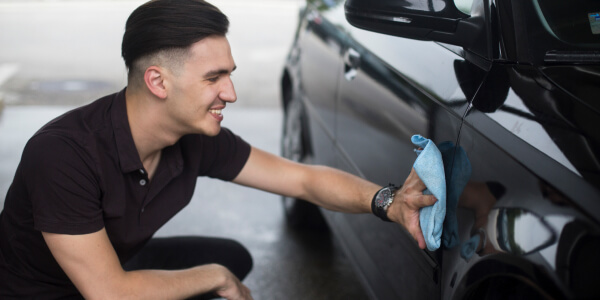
x=232, y=288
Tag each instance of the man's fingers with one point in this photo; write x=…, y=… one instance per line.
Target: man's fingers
x=414, y=181
x=427, y=200
x=418, y=236
x=248, y=293
x=416, y=202
x=412, y=199
x=423, y=201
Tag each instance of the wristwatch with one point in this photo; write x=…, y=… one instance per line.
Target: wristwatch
x=382, y=201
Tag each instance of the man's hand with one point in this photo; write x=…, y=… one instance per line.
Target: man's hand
x=407, y=202
x=233, y=289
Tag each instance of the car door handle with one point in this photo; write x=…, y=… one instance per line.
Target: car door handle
x=351, y=63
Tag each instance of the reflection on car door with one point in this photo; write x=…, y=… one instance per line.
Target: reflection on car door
x=320, y=64
x=531, y=175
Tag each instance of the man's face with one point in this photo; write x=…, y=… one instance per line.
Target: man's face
x=200, y=91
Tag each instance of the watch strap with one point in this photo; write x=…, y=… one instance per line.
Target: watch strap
x=379, y=209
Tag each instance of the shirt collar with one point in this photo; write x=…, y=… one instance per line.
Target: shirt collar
x=129, y=158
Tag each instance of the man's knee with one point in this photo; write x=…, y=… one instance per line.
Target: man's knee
x=242, y=259
x=174, y=253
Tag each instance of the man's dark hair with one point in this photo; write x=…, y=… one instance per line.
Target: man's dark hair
x=169, y=26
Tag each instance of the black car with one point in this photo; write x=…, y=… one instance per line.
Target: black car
x=513, y=86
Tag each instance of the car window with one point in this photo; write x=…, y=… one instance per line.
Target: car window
x=575, y=22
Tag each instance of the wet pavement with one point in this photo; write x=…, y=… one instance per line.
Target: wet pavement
x=44, y=74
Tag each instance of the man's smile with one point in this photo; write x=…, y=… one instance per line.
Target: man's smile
x=215, y=111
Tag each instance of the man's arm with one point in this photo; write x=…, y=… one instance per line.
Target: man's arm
x=334, y=189
x=93, y=266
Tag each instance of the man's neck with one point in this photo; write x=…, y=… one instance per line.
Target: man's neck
x=145, y=115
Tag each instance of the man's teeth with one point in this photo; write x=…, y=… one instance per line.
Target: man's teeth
x=215, y=111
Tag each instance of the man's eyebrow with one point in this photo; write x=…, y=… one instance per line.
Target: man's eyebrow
x=218, y=72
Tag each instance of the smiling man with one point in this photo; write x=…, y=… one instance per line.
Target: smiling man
x=95, y=184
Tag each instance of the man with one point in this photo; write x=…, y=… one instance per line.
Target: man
x=95, y=184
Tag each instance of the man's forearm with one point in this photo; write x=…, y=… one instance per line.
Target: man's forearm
x=339, y=191
x=327, y=187
x=334, y=189
x=163, y=284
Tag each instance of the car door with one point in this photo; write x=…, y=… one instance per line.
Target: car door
x=389, y=89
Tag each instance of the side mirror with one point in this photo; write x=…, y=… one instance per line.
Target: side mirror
x=434, y=20
x=519, y=231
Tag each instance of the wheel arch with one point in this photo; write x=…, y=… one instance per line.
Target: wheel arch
x=506, y=275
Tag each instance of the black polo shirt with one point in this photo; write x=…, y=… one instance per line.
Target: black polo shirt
x=81, y=173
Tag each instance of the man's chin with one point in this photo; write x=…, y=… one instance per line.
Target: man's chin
x=211, y=132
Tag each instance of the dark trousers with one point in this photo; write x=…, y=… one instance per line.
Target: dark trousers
x=175, y=253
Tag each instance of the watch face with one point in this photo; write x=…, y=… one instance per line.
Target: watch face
x=383, y=197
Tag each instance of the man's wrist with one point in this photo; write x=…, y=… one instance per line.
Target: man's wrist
x=382, y=200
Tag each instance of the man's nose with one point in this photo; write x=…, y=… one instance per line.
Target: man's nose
x=228, y=91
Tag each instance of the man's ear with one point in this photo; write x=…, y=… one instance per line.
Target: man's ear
x=154, y=80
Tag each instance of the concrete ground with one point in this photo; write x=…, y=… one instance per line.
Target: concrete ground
x=51, y=66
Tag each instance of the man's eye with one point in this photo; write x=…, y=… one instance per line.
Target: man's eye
x=213, y=79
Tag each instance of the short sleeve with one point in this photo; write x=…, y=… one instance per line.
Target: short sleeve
x=62, y=185
x=224, y=155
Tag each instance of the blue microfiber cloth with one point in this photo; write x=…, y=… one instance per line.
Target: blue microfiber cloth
x=457, y=170
x=430, y=168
